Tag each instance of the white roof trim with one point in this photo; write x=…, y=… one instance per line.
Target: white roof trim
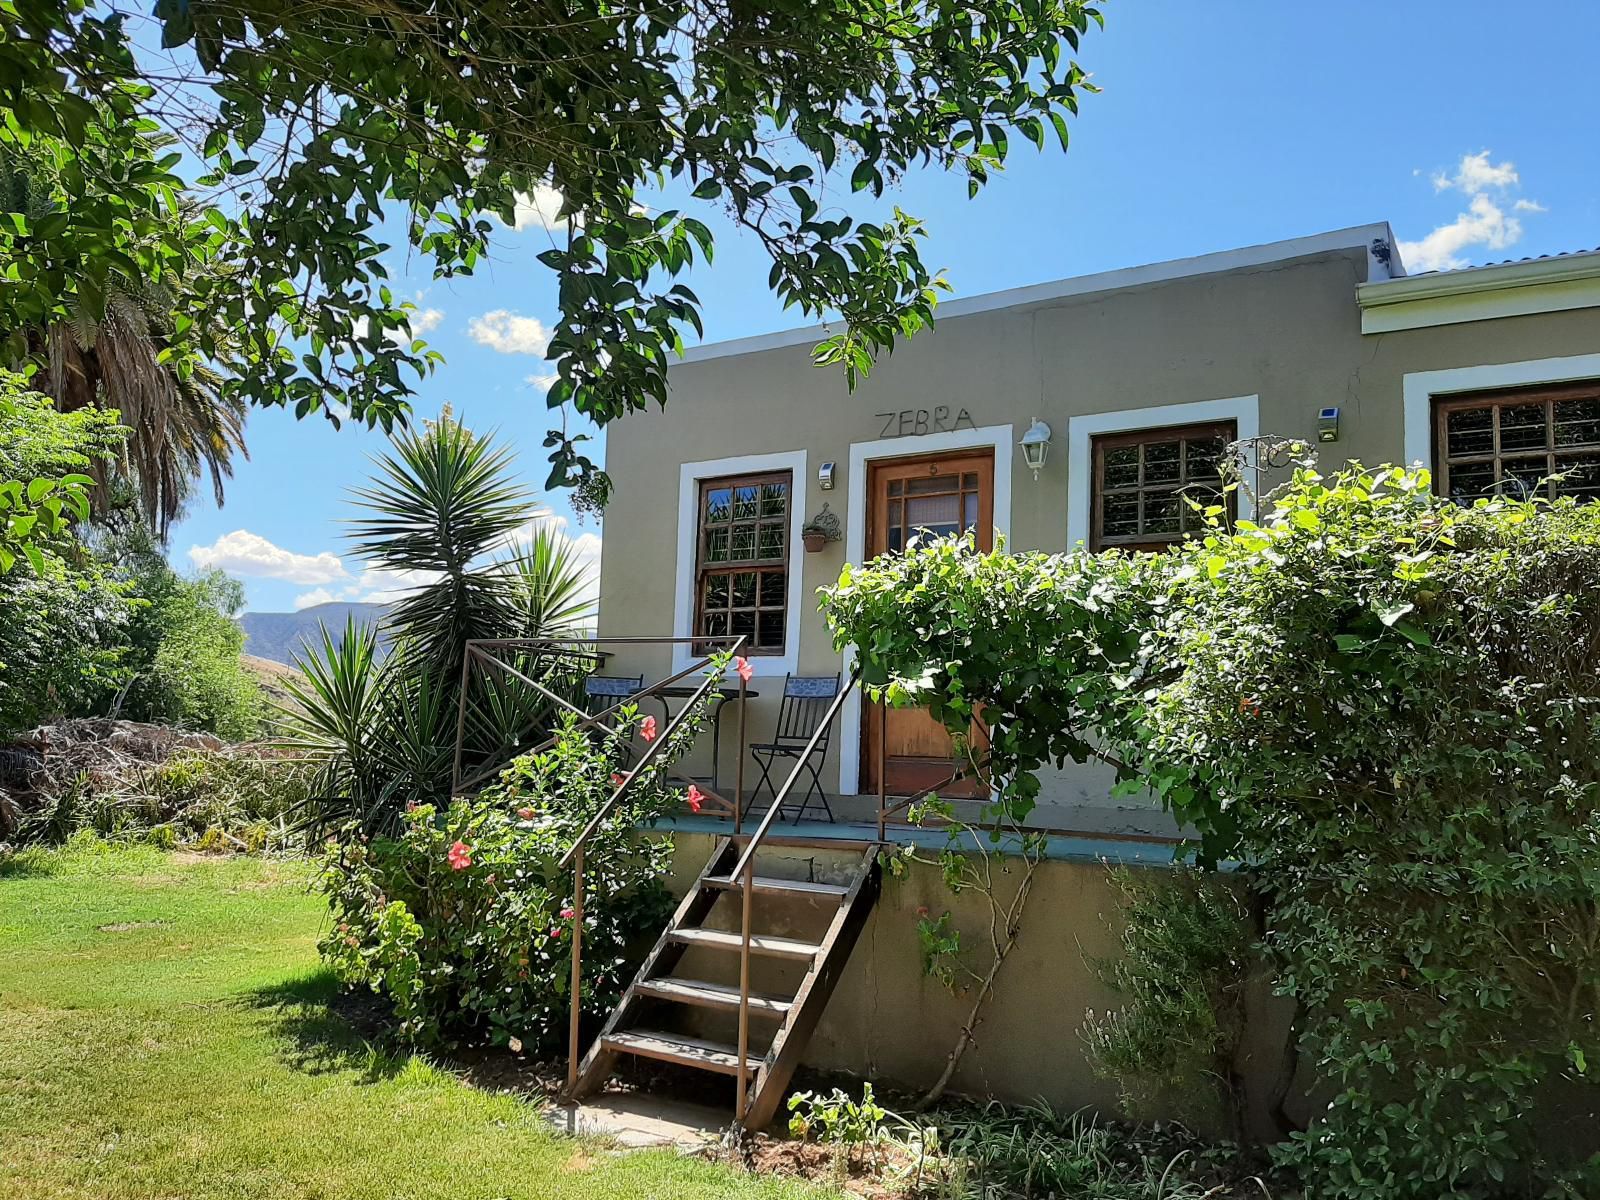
x=1362, y=236
x=1538, y=285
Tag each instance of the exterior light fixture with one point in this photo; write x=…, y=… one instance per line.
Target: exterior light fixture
x=1035, y=445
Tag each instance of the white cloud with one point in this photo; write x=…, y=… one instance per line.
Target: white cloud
x=1487, y=223
x=541, y=207
x=380, y=586
x=244, y=553
x=1475, y=173
x=509, y=333
x=315, y=596
x=542, y=383
x=423, y=320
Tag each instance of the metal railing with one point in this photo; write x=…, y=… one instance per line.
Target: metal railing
x=480, y=655
x=744, y=871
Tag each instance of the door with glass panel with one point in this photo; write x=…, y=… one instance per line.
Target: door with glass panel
x=929, y=496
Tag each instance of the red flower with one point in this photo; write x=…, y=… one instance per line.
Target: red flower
x=647, y=729
x=922, y=910
x=460, y=856
x=555, y=933
x=694, y=796
x=567, y=914
x=525, y=812
x=1249, y=706
x=744, y=668
x=618, y=779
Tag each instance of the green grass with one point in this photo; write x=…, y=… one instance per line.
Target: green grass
x=164, y=1032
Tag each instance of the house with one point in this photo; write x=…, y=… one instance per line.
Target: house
x=1141, y=375
x=1140, y=378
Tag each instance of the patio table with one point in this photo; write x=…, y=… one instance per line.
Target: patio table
x=683, y=691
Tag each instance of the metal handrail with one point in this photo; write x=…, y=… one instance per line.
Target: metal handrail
x=574, y=855
x=744, y=871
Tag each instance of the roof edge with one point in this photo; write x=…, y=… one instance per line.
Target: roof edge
x=1365, y=237
x=1581, y=264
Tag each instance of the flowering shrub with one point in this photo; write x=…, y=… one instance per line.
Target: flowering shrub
x=464, y=917
x=1385, y=705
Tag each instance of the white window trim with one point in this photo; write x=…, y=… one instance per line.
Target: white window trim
x=1243, y=411
x=690, y=476
x=1418, y=389
x=1001, y=439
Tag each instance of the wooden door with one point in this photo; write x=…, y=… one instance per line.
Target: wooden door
x=951, y=493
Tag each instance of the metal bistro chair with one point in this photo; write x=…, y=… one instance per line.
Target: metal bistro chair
x=805, y=701
x=600, y=692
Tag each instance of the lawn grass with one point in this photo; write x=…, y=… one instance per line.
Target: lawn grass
x=164, y=1032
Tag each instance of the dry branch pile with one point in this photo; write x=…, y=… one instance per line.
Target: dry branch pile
x=122, y=777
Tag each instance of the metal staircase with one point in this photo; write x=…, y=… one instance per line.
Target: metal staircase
x=694, y=1002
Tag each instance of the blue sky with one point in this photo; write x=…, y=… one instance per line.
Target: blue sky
x=1472, y=131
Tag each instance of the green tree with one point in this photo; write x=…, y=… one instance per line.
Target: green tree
x=327, y=120
x=109, y=342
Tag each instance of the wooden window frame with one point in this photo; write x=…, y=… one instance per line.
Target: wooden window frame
x=1498, y=399
x=705, y=569
x=1183, y=434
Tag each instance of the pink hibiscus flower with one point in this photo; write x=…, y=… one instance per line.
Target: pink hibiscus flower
x=742, y=665
x=617, y=779
x=647, y=729
x=567, y=914
x=694, y=796
x=459, y=857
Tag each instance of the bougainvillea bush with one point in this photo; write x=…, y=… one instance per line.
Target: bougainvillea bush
x=1387, y=706
x=464, y=918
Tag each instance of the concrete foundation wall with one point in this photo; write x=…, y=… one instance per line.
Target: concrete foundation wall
x=889, y=1021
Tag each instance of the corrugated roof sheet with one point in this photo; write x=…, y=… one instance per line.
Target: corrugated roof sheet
x=1507, y=262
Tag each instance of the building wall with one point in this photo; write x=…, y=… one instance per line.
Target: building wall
x=1282, y=340
x=888, y=1021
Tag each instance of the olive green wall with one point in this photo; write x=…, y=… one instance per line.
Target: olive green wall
x=1287, y=332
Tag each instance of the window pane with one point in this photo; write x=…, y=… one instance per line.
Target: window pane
x=1522, y=426
x=774, y=499
x=743, y=622
x=746, y=503
x=1582, y=477
x=895, y=487
x=1204, y=457
x=717, y=505
x=715, y=624
x=774, y=586
x=769, y=635
x=1468, y=481
x=744, y=543
x=929, y=511
x=1578, y=422
x=1469, y=431
x=896, y=540
x=969, y=515
x=716, y=591
x=1161, y=512
x=744, y=589
x=969, y=481
x=1119, y=516
x=1122, y=467
x=932, y=485
x=1161, y=462
x=770, y=543
x=717, y=546
x=1520, y=477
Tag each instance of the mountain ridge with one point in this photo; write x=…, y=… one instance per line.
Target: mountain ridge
x=279, y=636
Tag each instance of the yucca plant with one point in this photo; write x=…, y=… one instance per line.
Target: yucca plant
x=385, y=728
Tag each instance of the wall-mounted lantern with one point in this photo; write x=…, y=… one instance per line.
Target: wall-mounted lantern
x=1035, y=445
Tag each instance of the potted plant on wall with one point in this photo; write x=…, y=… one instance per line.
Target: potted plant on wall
x=820, y=530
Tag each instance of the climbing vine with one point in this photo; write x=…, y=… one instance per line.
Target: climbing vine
x=1384, y=704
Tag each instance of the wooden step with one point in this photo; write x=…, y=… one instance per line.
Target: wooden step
x=769, y=883
x=801, y=841
x=761, y=943
x=711, y=995
x=675, y=1047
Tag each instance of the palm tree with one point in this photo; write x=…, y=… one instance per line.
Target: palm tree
x=183, y=424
